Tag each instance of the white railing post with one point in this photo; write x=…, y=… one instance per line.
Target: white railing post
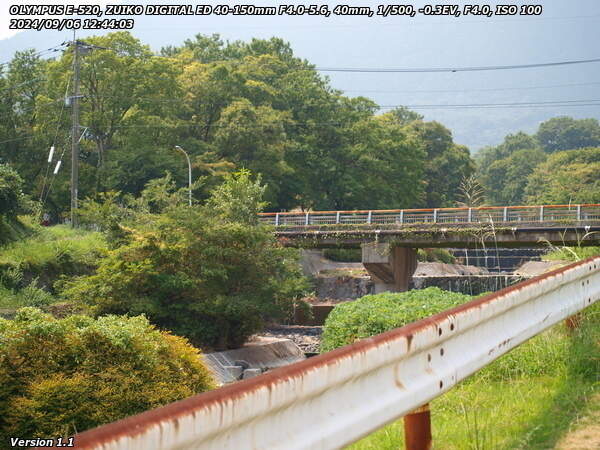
x=277, y=219
x=505, y=215
x=541, y=213
x=307, y=219
x=435, y=215
x=470, y=215
x=370, y=217
x=337, y=217
x=578, y=212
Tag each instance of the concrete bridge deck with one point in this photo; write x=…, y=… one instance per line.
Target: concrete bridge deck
x=523, y=226
x=389, y=239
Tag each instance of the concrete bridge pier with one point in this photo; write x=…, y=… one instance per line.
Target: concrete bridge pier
x=390, y=267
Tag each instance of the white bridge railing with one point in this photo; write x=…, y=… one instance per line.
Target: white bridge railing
x=336, y=398
x=496, y=214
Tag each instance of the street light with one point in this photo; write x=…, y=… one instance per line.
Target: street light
x=189, y=172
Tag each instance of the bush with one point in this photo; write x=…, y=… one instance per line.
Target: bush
x=375, y=314
x=202, y=272
x=435, y=255
x=343, y=254
x=11, y=191
x=62, y=376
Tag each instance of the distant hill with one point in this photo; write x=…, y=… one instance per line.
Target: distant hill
x=566, y=30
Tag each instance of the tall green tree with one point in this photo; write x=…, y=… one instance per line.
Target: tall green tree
x=566, y=133
x=566, y=177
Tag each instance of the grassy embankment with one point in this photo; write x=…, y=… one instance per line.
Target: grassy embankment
x=528, y=399
x=37, y=257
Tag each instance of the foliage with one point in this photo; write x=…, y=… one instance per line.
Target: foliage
x=471, y=194
x=48, y=254
x=374, y=314
x=343, y=254
x=435, y=255
x=446, y=164
x=514, y=172
x=11, y=192
x=64, y=376
x=566, y=177
x=238, y=199
x=232, y=105
x=204, y=272
x=566, y=133
x=571, y=253
x=506, y=179
x=30, y=295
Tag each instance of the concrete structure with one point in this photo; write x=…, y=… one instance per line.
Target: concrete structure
x=389, y=238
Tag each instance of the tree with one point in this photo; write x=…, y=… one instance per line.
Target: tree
x=446, y=163
x=566, y=177
x=505, y=179
x=209, y=273
x=11, y=191
x=61, y=376
x=566, y=133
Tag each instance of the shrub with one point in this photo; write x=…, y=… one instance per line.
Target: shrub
x=375, y=314
x=343, y=254
x=206, y=273
x=435, y=255
x=58, y=376
x=11, y=191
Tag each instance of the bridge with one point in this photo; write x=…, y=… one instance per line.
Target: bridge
x=389, y=238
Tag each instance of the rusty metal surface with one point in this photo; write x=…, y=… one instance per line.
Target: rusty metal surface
x=336, y=398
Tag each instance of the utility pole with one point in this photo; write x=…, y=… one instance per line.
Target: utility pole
x=75, y=135
x=189, y=173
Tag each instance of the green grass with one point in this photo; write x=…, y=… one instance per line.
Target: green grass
x=29, y=267
x=571, y=253
x=528, y=399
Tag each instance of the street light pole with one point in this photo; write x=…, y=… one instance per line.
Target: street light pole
x=189, y=172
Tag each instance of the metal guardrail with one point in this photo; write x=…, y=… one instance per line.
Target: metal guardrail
x=495, y=214
x=336, y=398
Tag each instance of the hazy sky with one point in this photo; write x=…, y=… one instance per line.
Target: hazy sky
x=567, y=30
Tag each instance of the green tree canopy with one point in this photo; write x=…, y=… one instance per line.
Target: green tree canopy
x=566, y=177
x=566, y=133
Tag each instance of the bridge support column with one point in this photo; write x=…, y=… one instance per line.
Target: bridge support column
x=391, y=268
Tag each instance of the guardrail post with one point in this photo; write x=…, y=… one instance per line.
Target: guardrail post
x=541, y=213
x=578, y=212
x=470, y=216
x=370, y=217
x=417, y=429
x=277, y=219
x=505, y=215
x=435, y=215
x=573, y=322
x=402, y=216
x=337, y=217
x=307, y=219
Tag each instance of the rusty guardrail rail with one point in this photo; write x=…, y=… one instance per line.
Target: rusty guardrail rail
x=496, y=214
x=350, y=392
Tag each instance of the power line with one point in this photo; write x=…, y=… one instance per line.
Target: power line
x=425, y=91
x=41, y=53
x=455, y=69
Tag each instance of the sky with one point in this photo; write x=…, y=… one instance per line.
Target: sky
x=567, y=30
